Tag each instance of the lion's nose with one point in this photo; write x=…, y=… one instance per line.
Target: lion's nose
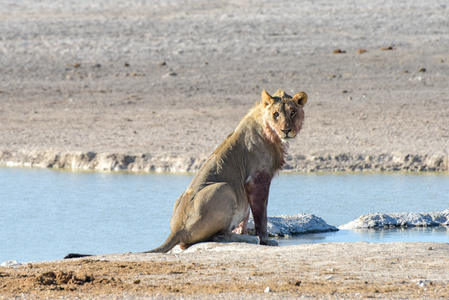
x=286, y=131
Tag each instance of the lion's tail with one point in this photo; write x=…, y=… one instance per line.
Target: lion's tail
x=172, y=240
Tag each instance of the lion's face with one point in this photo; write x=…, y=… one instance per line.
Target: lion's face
x=283, y=115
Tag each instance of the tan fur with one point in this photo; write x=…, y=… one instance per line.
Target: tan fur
x=237, y=177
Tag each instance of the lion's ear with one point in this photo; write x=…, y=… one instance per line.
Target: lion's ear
x=300, y=98
x=266, y=99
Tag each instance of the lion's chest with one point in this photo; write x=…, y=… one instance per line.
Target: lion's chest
x=263, y=157
x=258, y=185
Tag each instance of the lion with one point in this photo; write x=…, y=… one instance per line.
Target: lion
x=236, y=178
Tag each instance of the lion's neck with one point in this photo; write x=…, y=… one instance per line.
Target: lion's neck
x=279, y=146
x=270, y=134
x=273, y=142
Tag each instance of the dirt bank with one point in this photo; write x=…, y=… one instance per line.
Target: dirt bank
x=349, y=270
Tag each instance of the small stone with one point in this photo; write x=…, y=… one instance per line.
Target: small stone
x=422, y=70
x=421, y=283
x=339, y=51
x=387, y=48
x=267, y=290
x=170, y=74
x=362, y=51
x=136, y=281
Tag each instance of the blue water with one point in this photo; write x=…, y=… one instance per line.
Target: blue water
x=46, y=214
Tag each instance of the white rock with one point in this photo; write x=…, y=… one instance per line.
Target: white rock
x=422, y=282
x=379, y=220
x=293, y=225
x=10, y=263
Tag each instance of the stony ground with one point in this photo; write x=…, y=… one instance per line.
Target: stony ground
x=219, y=271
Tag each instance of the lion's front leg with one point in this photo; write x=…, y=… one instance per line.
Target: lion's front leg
x=257, y=192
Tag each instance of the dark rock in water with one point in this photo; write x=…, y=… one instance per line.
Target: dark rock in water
x=76, y=255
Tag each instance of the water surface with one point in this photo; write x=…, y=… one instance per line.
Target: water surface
x=47, y=214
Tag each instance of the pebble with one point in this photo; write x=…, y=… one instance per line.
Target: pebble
x=267, y=289
x=422, y=282
x=337, y=51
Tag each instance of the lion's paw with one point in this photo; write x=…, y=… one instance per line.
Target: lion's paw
x=268, y=242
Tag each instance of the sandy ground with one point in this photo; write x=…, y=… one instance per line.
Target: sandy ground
x=235, y=271
x=157, y=85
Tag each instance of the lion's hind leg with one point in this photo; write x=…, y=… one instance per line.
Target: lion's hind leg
x=231, y=237
x=210, y=213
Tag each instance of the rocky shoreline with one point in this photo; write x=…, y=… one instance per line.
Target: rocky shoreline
x=178, y=163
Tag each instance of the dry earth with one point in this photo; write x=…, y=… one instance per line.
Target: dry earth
x=157, y=85
x=221, y=271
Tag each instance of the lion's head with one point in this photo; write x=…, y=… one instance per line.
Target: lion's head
x=283, y=115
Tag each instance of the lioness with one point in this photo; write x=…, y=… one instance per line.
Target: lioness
x=237, y=177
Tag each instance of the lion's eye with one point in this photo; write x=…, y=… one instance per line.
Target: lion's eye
x=275, y=115
x=293, y=113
